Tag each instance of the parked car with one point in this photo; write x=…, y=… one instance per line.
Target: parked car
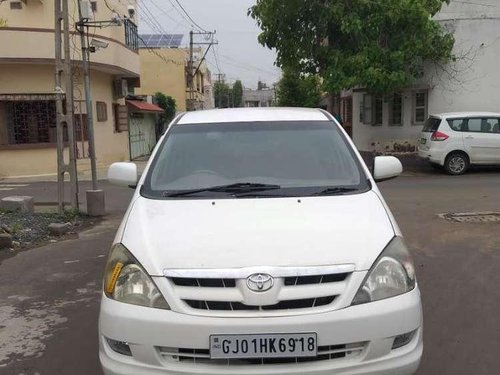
x=257, y=242
x=456, y=141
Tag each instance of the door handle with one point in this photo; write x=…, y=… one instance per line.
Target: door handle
x=469, y=137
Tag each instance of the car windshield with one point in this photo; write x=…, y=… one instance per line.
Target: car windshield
x=254, y=158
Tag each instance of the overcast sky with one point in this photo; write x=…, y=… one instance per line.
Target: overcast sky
x=239, y=54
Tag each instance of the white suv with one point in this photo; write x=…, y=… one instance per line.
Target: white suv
x=257, y=242
x=457, y=140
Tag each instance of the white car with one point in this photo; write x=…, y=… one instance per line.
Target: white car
x=456, y=141
x=257, y=242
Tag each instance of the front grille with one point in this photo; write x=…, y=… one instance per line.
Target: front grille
x=204, y=283
x=228, y=290
x=317, y=279
x=202, y=356
x=283, y=305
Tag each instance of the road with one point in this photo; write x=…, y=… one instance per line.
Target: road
x=49, y=296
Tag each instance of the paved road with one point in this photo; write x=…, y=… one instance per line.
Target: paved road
x=49, y=296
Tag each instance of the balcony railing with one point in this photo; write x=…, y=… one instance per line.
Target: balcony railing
x=131, y=35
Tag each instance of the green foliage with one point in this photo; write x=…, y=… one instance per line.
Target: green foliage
x=3, y=21
x=377, y=44
x=295, y=90
x=223, y=95
x=238, y=94
x=168, y=104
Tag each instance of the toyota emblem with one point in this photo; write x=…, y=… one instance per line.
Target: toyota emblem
x=260, y=282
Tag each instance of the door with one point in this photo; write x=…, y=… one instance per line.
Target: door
x=481, y=137
x=142, y=135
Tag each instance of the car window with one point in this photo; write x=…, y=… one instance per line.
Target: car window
x=496, y=125
x=431, y=125
x=293, y=155
x=457, y=124
x=480, y=125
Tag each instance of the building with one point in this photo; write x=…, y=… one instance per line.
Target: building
x=393, y=124
x=262, y=97
x=164, y=68
x=27, y=89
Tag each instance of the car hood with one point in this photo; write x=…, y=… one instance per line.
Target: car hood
x=234, y=233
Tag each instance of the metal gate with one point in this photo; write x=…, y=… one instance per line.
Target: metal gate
x=142, y=135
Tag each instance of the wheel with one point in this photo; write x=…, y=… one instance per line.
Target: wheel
x=456, y=163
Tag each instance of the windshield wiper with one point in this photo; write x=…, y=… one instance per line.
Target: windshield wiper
x=336, y=190
x=239, y=187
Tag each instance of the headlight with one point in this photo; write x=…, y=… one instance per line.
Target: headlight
x=126, y=281
x=393, y=273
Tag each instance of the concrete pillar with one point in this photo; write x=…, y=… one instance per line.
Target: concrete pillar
x=95, y=203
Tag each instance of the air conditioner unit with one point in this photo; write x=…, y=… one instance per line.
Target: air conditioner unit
x=120, y=87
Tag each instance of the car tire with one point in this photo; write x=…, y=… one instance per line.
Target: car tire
x=456, y=163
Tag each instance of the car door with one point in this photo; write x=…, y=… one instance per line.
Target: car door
x=478, y=140
x=494, y=140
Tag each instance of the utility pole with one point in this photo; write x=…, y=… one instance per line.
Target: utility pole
x=88, y=97
x=95, y=197
x=191, y=71
x=64, y=115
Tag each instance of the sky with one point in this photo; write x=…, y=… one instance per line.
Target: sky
x=238, y=54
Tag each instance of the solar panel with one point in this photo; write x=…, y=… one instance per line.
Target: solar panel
x=160, y=40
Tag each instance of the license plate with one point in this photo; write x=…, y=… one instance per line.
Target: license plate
x=280, y=345
x=423, y=141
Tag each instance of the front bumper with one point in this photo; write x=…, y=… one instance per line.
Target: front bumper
x=375, y=324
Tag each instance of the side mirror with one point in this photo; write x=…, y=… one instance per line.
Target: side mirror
x=386, y=167
x=123, y=174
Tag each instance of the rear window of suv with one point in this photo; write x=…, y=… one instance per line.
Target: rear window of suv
x=431, y=125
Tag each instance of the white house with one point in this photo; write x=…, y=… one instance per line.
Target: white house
x=393, y=124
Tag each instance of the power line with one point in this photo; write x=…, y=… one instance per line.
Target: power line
x=190, y=18
x=164, y=12
x=246, y=66
x=151, y=18
x=155, y=52
x=216, y=61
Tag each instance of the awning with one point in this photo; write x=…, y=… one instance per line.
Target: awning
x=138, y=106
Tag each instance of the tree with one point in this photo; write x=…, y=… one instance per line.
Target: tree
x=222, y=95
x=169, y=106
x=295, y=90
x=238, y=93
x=376, y=44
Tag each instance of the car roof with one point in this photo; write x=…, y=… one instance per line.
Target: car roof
x=253, y=115
x=465, y=114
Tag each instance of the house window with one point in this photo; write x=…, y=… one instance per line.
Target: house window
x=32, y=122
x=120, y=118
x=16, y=5
x=346, y=110
x=378, y=108
x=366, y=112
x=131, y=36
x=93, y=6
x=419, y=107
x=373, y=110
x=396, y=110
x=102, y=111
